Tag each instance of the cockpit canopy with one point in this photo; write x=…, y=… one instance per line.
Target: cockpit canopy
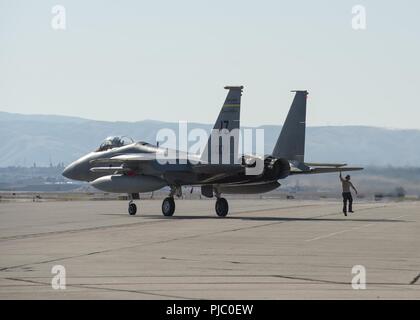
x=114, y=142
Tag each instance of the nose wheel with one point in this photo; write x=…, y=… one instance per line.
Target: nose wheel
x=168, y=206
x=132, y=208
x=222, y=207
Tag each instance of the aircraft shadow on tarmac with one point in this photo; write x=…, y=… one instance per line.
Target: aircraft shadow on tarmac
x=271, y=218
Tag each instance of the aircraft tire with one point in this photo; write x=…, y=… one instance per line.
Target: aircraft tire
x=222, y=207
x=168, y=207
x=132, y=209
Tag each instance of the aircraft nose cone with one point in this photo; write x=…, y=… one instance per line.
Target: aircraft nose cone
x=69, y=171
x=79, y=169
x=75, y=171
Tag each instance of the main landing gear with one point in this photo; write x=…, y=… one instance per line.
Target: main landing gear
x=168, y=204
x=132, y=208
x=222, y=207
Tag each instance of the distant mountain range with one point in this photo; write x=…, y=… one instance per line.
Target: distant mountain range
x=45, y=139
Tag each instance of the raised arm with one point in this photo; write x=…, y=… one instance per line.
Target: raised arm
x=341, y=177
x=351, y=184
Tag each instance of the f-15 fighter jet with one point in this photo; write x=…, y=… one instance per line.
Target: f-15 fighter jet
x=121, y=165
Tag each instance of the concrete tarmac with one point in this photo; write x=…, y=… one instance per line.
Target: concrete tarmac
x=264, y=249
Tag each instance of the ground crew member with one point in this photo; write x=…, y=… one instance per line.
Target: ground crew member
x=347, y=194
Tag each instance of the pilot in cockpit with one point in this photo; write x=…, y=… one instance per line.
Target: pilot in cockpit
x=114, y=142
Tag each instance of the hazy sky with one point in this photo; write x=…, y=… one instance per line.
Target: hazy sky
x=169, y=60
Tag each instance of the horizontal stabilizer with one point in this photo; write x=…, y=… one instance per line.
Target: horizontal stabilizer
x=324, y=170
x=313, y=164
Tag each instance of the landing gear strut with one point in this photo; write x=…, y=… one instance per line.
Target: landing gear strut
x=132, y=208
x=222, y=207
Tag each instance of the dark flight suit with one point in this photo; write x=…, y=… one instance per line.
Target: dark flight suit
x=347, y=197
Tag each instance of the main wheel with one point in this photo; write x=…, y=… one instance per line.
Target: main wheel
x=222, y=207
x=132, y=209
x=168, y=206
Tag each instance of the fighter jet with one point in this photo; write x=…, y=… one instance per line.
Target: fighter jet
x=121, y=165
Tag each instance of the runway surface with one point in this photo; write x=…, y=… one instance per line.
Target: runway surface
x=264, y=249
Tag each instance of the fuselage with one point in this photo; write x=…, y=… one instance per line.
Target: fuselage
x=184, y=169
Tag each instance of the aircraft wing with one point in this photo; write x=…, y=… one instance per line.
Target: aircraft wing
x=217, y=171
x=218, y=168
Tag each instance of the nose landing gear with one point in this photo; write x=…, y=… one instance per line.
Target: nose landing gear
x=132, y=208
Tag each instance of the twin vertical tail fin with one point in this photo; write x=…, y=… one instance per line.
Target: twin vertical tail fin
x=291, y=142
x=222, y=145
